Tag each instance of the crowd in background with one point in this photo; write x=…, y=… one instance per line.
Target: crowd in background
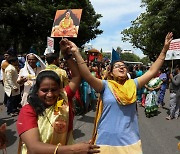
x=151, y=96
x=38, y=88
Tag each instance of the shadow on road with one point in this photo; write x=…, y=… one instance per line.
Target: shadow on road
x=10, y=134
x=177, y=137
x=77, y=133
x=11, y=137
x=158, y=112
x=86, y=119
x=167, y=110
x=8, y=120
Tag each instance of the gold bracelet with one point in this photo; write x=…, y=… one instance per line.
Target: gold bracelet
x=81, y=62
x=55, y=151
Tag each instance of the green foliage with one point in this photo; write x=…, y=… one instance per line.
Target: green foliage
x=119, y=49
x=130, y=57
x=145, y=60
x=107, y=55
x=84, y=55
x=26, y=23
x=150, y=28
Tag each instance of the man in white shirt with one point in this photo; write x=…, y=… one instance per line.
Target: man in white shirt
x=11, y=88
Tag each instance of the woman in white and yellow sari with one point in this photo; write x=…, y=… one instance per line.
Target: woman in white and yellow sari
x=116, y=125
x=43, y=124
x=28, y=74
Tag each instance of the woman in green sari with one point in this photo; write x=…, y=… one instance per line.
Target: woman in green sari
x=151, y=103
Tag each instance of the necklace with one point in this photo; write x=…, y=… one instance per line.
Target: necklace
x=66, y=25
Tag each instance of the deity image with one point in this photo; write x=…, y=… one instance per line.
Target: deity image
x=66, y=23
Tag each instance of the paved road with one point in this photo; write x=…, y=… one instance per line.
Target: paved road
x=158, y=135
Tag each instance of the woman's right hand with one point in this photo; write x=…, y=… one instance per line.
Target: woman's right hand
x=85, y=148
x=68, y=47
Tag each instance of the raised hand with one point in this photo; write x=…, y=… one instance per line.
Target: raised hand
x=168, y=40
x=67, y=46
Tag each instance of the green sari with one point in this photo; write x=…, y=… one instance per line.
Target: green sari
x=151, y=103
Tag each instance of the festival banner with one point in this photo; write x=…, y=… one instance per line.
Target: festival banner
x=174, y=50
x=66, y=23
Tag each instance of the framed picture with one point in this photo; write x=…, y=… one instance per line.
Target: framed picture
x=66, y=23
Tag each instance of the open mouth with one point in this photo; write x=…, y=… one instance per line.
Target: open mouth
x=121, y=71
x=49, y=99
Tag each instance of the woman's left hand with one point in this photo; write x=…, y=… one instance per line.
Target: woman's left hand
x=85, y=148
x=168, y=40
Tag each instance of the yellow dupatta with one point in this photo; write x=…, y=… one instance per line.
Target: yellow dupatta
x=53, y=126
x=97, y=118
x=125, y=94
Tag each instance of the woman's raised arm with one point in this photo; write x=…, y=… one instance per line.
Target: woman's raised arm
x=70, y=47
x=157, y=64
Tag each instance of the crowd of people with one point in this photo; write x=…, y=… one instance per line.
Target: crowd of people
x=45, y=94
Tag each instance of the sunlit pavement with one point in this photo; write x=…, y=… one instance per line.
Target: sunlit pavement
x=159, y=136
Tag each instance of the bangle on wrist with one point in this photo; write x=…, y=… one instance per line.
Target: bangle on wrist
x=55, y=151
x=66, y=57
x=81, y=62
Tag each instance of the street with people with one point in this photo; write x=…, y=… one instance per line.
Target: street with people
x=158, y=135
x=61, y=94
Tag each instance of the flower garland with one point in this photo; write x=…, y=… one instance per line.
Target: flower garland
x=66, y=25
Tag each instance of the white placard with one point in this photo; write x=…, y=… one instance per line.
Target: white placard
x=174, y=50
x=170, y=55
x=50, y=43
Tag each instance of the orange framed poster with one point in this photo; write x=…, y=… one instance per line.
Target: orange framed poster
x=66, y=23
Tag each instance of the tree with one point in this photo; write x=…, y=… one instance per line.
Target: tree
x=28, y=23
x=119, y=50
x=150, y=28
x=106, y=55
x=129, y=57
x=145, y=60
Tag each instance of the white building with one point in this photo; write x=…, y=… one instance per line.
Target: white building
x=127, y=51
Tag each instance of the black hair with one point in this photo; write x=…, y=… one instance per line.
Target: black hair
x=177, y=66
x=10, y=60
x=33, y=98
x=112, y=64
x=51, y=57
x=131, y=68
x=11, y=52
x=162, y=70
